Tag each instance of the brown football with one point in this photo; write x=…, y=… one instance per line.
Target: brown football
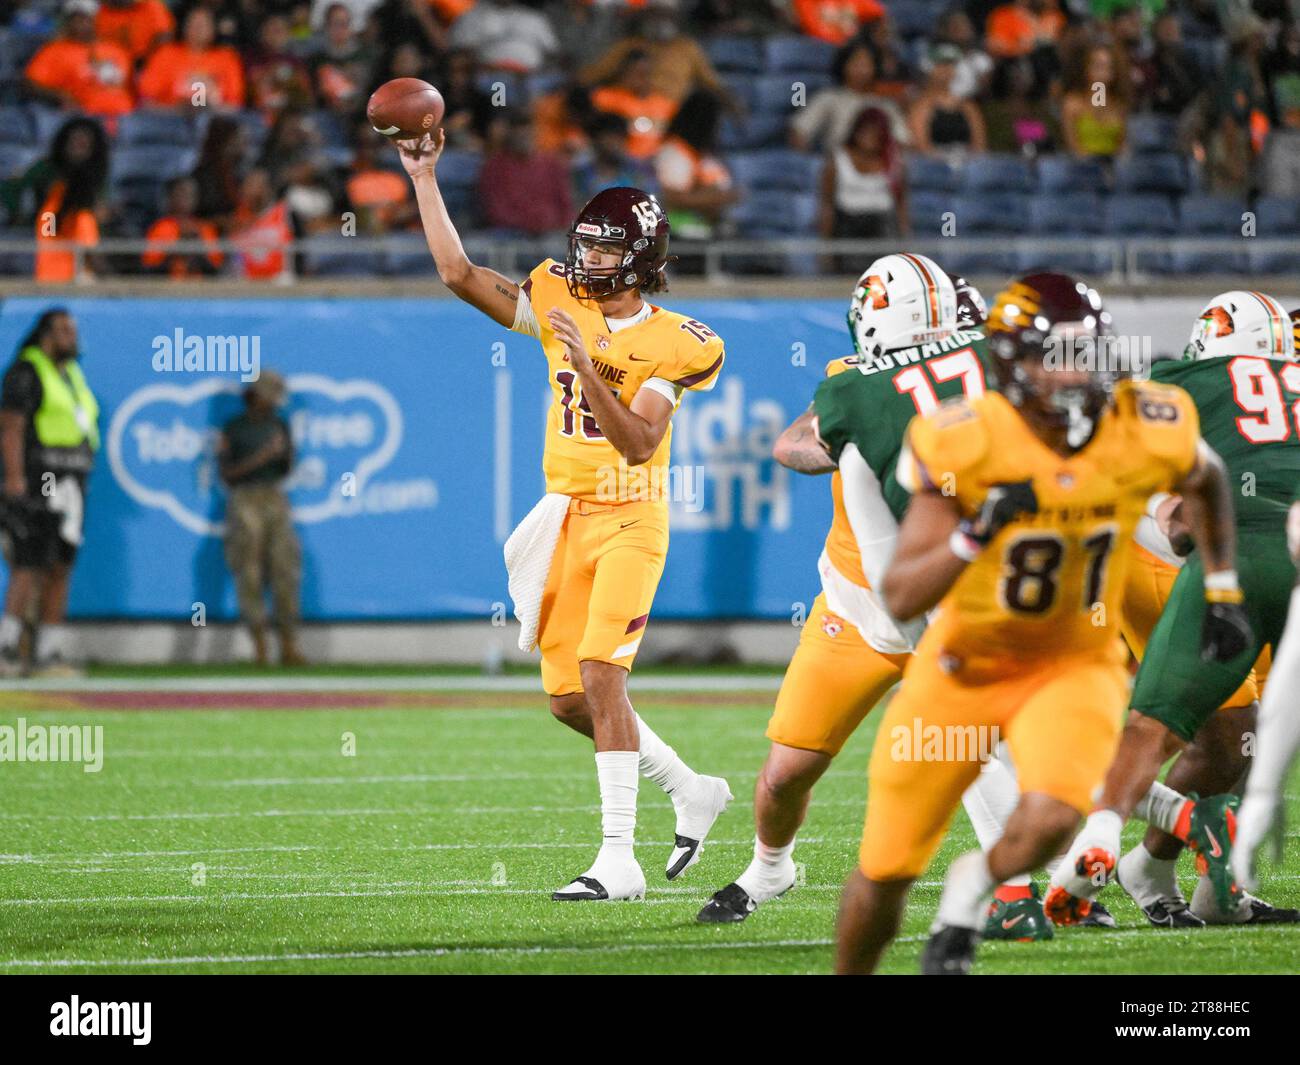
x=405, y=108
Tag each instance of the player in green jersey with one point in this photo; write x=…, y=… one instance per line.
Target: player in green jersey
x=1240, y=372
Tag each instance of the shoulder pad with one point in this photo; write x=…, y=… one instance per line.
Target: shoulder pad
x=844, y=362
x=1162, y=417
x=955, y=438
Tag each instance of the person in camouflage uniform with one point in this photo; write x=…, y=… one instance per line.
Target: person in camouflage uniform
x=255, y=454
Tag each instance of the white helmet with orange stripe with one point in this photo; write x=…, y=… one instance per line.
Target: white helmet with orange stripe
x=1242, y=323
x=900, y=301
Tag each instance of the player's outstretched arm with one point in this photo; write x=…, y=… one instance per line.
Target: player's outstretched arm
x=798, y=448
x=494, y=295
x=924, y=565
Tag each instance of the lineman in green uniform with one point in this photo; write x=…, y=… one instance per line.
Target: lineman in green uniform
x=1239, y=370
x=49, y=433
x=918, y=342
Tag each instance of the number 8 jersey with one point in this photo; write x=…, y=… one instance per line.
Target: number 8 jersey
x=1049, y=583
x=663, y=350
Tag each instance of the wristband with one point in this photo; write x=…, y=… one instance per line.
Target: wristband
x=1222, y=587
x=963, y=545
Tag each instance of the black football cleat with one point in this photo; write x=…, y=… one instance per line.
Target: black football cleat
x=731, y=905
x=1172, y=912
x=1098, y=917
x=1262, y=912
x=949, y=952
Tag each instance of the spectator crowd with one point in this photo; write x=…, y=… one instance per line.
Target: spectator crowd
x=208, y=121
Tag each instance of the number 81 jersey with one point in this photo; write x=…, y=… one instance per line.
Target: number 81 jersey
x=1050, y=583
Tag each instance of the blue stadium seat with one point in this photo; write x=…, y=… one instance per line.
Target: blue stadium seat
x=931, y=174
x=912, y=18
x=16, y=263
x=154, y=161
x=776, y=168
x=47, y=121
x=798, y=55
x=1069, y=214
x=335, y=256
x=150, y=126
x=15, y=159
x=1060, y=173
x=774, y=93
x=254, y=126
x=1083, y=260
x=1152, y=172
x=729, y=54
x=1147, y=214
x=989, y=212
x=1211, y=215
x=926, y=209
x=753, y=131
x=536, y=85
x=776, y=213
x=1152, y=133
x=1276, y=216
x=997, y=173
x=459, y=169
x=16, y=128
x=742, y=87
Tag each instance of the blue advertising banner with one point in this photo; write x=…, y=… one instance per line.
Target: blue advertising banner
x=418, y=427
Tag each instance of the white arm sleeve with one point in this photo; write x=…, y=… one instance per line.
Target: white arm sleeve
x=1277, y=740
x=526, y=318
x=873, y=524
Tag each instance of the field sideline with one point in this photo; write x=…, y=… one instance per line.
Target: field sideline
x=229, y=832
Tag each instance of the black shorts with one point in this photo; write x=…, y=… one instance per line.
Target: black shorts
x=36, y=540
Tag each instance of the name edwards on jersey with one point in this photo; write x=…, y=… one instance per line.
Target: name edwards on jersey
x=900, y=357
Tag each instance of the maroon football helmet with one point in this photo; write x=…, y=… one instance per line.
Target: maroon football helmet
x=633, y=221
x=1058, y=322
x=971, y=308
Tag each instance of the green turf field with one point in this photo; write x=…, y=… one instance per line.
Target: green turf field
x=246, y=841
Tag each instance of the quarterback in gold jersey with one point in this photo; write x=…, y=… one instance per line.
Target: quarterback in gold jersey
x=585, y=563
x=1024, y=503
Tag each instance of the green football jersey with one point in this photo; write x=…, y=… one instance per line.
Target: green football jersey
x=872, y=407
x=1250, y=416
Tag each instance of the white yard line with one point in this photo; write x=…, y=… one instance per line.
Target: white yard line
x=432, y=683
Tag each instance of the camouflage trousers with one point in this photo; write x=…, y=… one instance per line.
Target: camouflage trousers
x=262, y=548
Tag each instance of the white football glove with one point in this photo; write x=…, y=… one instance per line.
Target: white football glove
x=1259, y=820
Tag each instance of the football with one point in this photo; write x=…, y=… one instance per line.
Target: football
x=405, y=108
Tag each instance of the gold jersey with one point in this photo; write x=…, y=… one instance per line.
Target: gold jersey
x=1049, y=583
x=670, y=351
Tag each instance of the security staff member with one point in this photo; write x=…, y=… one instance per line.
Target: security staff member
x=255, y=454
x=49, y=433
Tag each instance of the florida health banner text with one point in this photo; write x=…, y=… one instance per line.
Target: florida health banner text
x=419, y=426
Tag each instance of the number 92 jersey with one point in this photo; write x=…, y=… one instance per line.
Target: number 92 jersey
x=667, y=352
x=1049, y=583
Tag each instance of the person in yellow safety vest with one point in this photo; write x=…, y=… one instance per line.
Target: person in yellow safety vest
x=49, y=434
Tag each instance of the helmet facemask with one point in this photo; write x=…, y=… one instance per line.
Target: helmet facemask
x=591, y=283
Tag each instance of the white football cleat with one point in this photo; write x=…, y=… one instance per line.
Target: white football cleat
x=614, y=875
x=699, y=809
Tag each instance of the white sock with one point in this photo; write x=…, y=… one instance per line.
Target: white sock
x=966, y=891
x=1147, y=878
x=11, y=631
x=616, y=772
x=1160, y=807
x=989, y=802
x=51, y=640
x=659, y=762
x=768, y=872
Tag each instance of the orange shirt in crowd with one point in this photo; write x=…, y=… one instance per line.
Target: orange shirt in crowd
x=1014, y=31
x=381, y=192
x=172, y=72
x=97, y=75
x=135, y=27
x=450, y=10
x=160, y=237
x=54, y=263
x=836, y=20
x=261, y=239
x=647, y=117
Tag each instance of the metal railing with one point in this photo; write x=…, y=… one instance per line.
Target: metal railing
x=1112, y=259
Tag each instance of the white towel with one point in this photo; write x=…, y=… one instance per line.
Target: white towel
x=528, y=552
